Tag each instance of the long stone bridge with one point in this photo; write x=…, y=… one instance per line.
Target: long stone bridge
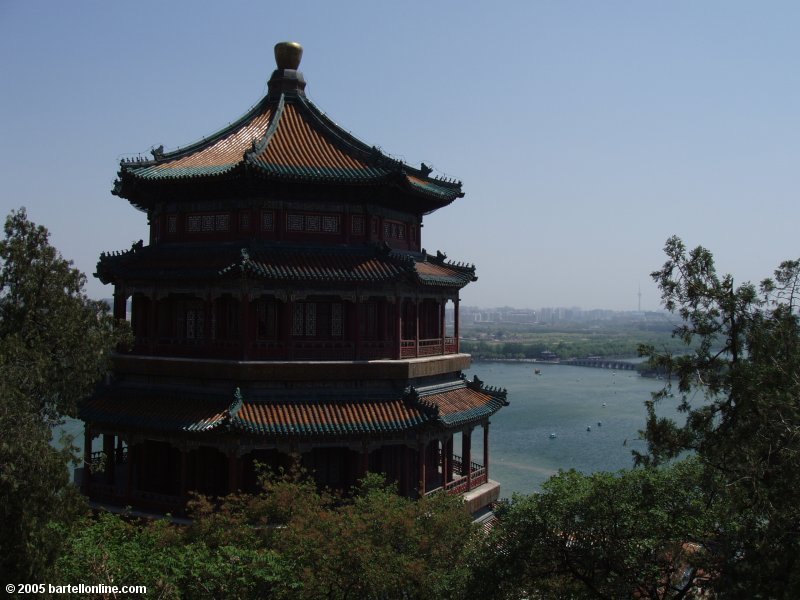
x=600, y=363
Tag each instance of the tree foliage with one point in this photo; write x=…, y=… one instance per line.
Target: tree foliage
x=290, y=541
x=640, y=533
x=54, y=346
x=54, y=340
x=740, y=391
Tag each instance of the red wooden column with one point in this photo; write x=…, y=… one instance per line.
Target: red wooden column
x=443, y=461
x=152, y=323
x=398, y=326
x=208, y=318
x=354, y=312
x=110, y=457
x=447, y=460
x=416, y=328
x=486, y=449
x=286, y=330
x=466, y=456
x=455, y=324
x=120, y=304
x=422, y=469
x=384, y=324
x=442, y=323
x=247, y=329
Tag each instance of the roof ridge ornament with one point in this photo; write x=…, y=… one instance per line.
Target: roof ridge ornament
x=286, y=78
x=288, y=55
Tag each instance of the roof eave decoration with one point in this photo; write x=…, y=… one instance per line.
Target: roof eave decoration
x=163, y=412
x=105, y=265
x=412, y=396
x=495, y=392
x=460, y=403
x=233, y=410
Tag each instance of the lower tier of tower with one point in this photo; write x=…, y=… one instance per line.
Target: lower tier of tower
x=164, y=427
x=159, y=475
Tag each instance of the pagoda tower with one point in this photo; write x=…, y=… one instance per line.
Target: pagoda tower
x=285, y=312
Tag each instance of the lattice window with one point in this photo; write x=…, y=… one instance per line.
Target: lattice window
x=267, y=221
x=193, y=223
x=244, y=221
x=330, y=224
x=394, y=230
x=190, y=331
x=369, y=322
x=336, y=319
x=294, y=222
x=195, y=322
x=298, y=313
x=226, y=318
x=172, y=224
x=375, y=226
x=357, y=225
x=313, y=223
x=208, y=223
x=311, y=319
x=223, y=222
x=266, y=313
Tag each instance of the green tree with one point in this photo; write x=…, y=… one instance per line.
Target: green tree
x=56, y=341
x=379, y=545
x=171, y=561
x=288, y=542
x=640, y=533
x=54, y=346
x=739, y=387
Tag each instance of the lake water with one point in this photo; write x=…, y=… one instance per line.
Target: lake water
x=563, y=400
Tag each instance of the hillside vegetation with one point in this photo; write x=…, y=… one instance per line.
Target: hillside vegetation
x=618, y=338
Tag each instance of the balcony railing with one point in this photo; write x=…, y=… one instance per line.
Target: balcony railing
x=99, y=460
x=299, y=349
x=464, y=483
x=428, y=347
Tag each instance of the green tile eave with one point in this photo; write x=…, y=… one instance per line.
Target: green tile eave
x=148, y=422
x=432, y=188
x=166, y=173
x=472, y=414
x=327, y=429
x=434, y=280
x=323, y=173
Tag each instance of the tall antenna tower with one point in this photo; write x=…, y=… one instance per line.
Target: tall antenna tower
x=640, y=297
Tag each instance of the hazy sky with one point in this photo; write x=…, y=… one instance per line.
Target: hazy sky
x=585, y=133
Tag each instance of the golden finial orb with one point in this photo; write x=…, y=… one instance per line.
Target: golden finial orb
x=288, y=55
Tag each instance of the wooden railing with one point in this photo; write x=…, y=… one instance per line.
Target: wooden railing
x=428, y=347
x=300, y=349
x=99, y=460
x=475, y=477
